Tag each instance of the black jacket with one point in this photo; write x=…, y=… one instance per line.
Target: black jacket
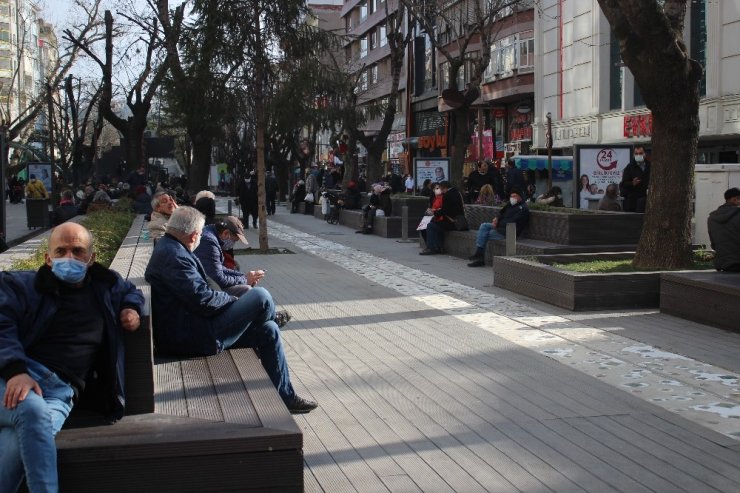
x=518, y=214
x=452, y=204
x=633, y=192
x=724, y=233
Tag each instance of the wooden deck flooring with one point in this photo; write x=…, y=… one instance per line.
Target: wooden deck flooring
x=413, y=399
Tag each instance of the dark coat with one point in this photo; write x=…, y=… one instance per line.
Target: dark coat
x=518, y=214
x=452, y=204
x=211, y=256
x=476, y=181
x=207, y=206
x=64, y=213
x=182, y=301
x=514, y=180
x=385, y=202
x=724, y=233
x=630, y=192
x=28, y=303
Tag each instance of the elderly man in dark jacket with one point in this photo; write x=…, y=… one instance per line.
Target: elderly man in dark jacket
x=724, y=232
x=452, y=207
x=57, y=325
x=516, y=211
x=192, y=319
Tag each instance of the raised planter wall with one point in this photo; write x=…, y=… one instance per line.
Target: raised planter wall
x=570, y=228
x=573, y=290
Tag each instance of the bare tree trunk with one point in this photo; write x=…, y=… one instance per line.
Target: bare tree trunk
x=651, y=43
x=460, y=143
x=201, y=164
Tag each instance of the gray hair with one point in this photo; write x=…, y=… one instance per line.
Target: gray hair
x=204, y=193
x=156, y=197
x=186, y=220
x=101, y=197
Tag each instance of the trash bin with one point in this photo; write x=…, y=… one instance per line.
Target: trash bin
x=37, y=213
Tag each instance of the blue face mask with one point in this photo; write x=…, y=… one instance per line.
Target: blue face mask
x=229, y=244
x=69, y=270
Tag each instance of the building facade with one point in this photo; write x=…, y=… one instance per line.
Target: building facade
x=592, y=96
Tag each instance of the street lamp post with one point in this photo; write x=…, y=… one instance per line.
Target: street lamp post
x=548, y=136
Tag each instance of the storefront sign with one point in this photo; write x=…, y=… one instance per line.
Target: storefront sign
x=638, y=125
x=572, y=132
x=432, y=142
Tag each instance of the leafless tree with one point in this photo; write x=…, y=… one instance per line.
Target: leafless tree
x=142, y=88
x=462, y=32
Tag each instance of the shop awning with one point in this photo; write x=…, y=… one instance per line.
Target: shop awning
x=564, y=163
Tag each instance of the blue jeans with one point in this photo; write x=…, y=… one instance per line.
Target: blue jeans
x=27, y=433
x=250, y=322
x=486, y=232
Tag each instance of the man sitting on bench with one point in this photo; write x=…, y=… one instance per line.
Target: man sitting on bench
x=56, y=326
x=516, y=211
x=191, y=319
x=724, y=232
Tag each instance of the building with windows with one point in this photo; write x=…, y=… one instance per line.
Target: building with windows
x=367, y=53
x=592, y=97
x=500, y=118
x=24, y=38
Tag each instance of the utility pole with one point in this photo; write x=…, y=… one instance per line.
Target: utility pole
x=548, y=136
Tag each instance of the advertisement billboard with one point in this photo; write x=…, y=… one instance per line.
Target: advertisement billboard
x=597, y=167
x=42, y=172
x=436, y=169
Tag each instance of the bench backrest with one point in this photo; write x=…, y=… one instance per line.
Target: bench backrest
x=131, y=261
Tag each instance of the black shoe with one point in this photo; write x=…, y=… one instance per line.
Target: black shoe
x=479, y=262
x=367, y=231
x=475, y=256
x=301, y=406
x=254, y=225
x=360, y=231
x=429, y=252
x=282, y=317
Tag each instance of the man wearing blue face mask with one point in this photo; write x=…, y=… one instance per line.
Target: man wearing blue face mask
x=60, y=327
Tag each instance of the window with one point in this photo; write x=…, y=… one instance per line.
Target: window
x=373, y=37
x=503, y=58
x=374, y=74
x=615, y=74
x=348, y=23
x=444, y=75
x=363, y=47
x=372, y=6
x=383, y=35
x=698, y=33
x=363, y=12
x=363, y=81
x=526, y=52
x=6, y=64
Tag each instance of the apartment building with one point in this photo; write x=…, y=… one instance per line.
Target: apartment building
x=592, y=97
x=24, y=42
x=366, y=51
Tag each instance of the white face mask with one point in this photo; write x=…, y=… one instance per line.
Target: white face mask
x=513, y=201
x=639, y=158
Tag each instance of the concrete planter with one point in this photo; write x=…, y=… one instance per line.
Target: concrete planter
x=536, y=278
x=570, y=227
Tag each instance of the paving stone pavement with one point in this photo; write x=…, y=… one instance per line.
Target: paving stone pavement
x=431, y=379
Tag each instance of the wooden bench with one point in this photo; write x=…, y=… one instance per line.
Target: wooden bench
x=202, y=424
x=711, y=298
